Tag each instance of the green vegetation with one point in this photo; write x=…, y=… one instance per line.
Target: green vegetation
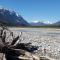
x=48, y=26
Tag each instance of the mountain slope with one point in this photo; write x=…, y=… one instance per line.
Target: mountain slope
x=37, y=24
x=57, y=23
x=11, y=18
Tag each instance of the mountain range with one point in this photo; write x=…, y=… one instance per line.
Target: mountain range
x=57, y=23
x=37, y=24
x=10, y=18
x=44, y=24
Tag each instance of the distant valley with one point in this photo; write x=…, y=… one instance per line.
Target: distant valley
x=10, y=18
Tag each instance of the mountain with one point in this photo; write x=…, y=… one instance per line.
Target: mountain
x=57, y=23
x=10, y=18
x=37, y=24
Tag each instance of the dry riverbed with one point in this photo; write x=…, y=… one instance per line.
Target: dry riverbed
x=48, y=40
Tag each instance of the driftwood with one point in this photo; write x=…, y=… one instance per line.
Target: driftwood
x=27, y=47
x=22, y=55
x=14, y=41
x=20, y=51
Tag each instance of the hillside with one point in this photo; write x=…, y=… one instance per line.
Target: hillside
x=38, y=24
x=10, y=18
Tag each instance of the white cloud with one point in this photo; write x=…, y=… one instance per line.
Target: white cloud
x=35, y=21
x=47, y=22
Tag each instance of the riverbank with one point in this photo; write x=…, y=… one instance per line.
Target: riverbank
x=47, y=39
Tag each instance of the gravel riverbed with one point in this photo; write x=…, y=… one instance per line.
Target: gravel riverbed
x=48, y=40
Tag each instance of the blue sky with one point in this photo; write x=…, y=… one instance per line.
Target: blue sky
x=47, y=11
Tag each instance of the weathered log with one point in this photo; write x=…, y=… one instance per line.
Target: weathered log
x=26, y=46
x=1, y=45
x=19, y=54
x=14, y=41
x=4, y=37
x=20, y=51
x=1, y=32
